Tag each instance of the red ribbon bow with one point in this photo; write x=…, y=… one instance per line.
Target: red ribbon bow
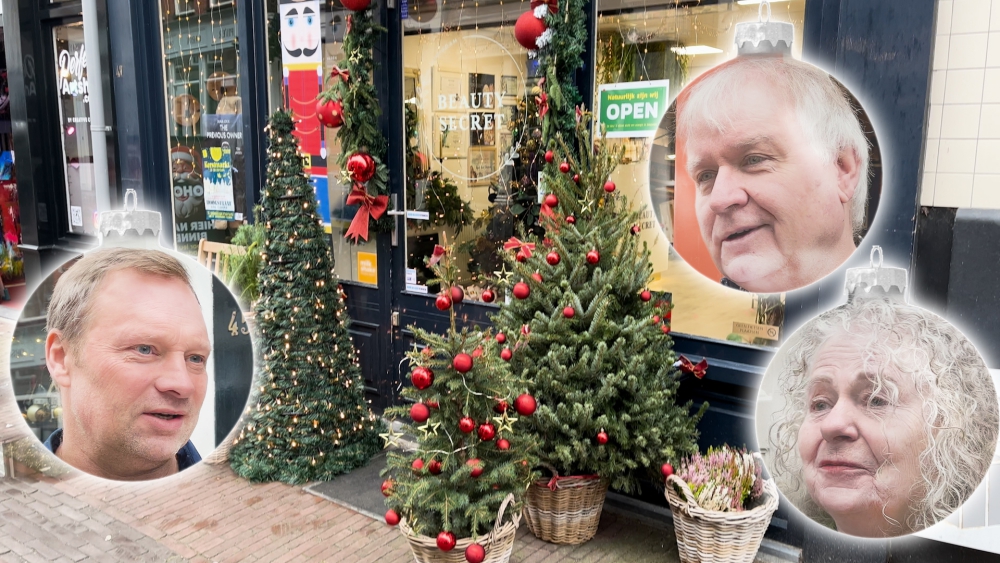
x=552, y=4
x=554, y=481
x=437, y=255
x=579, y=115
x=525, y=247
x=698, y=370
x=348, y=24
x=343, y=74
x=543, y=104
x=374, y=206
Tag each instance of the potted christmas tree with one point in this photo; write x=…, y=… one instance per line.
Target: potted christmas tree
x=459, y=496
x=593, y=343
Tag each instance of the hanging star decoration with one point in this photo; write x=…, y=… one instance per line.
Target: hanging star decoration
x=391, y=437
x=503, y=275
x=504, y=423
x=356, y=57
x=430, y=428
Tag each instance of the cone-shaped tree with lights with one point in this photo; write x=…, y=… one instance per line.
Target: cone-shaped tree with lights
x=310, y=420
x=594, y=343
x=468, y=415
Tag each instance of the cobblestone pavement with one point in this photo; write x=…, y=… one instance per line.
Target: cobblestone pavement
x=207, y=514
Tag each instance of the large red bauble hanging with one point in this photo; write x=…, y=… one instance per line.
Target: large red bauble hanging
x=569, y=312
x=521, y=290
x=525, y=405
x=417, y=465
x=462, y=363
x=476, y=465
x=391, y=518
x=521, y=256
x=466, y=424
x=387, y=487
x=571, y=220
x=419, y=412
x=549, y=156
x=361, y=166
x=602, y=437
x=506, y=354
x=457, y=295
x=487, y=431
x=609, y=186
x=475, y=553
x=488, y=296
x=501, y=338
x=422, y=377
x=564, y=167
x=551, y=200
x=527, y=30
x=434, y=467
x=443, y=302
x=667, y=470
x=503, y=444
x=645, y=295
x=593, y=257
x=446, y=541
x=501, y=406
x=330, y=113
x=537, y=277
x=356, y=5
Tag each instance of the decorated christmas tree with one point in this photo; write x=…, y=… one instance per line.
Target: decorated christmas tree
x=310, y=421
x=468, y=416
x=594, y=344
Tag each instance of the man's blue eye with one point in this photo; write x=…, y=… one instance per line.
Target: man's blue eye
x=144, y=349
x=197, y=359
x=755, y=159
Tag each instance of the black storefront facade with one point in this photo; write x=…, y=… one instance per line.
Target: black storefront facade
x=881, y=50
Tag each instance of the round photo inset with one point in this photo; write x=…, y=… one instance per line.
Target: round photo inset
x=131, y=363
x=765, y=174
x=877, y=418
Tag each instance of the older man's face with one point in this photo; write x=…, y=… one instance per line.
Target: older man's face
x=138, y=380
x=860, y=446
x=772, y=207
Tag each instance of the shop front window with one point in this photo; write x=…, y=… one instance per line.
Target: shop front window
x=662, y=41
x=204, y=120
x=472, y=136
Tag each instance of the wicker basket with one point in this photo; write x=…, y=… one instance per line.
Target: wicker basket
x=566, y=510
x=499, y=543
x=711, y=536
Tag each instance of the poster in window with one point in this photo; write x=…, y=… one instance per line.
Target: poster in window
x=482, y=129
x=482, y=164
x=482, y=90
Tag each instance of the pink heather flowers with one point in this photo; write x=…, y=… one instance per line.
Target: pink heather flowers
x=724, y=479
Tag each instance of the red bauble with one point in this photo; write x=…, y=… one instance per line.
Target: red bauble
x=501, y=406
x=330, y=113
x=446, y=541
x=551, y=200
x=476, y=465
x=525, y=405
x=457, y=295
x=391, y=518
x=564, y=167
x=506, y=354
x=422, y=377
x=417, y=465
x=569, y=312
x=419, y=412
x=656, y=319
x=645, y=295
x=475, y=553
x=537, y=277
x=387, y=487
x=669, y=315
x=486, y=432
x=433, y=404
x=609, y=186
x=576, y=178
x=466, y=424
x=593, y=257
x=527, y=29
x=667, y=470
x=488, y=296
x=571, y=220
x=549, y=156
x=443, y=302
x=356, y=5
x=521, y=290
x=552, y=258
x=665, y=329
x=602, y=437
x=501, y=338
x=434, y=467
x=361, y=166
x=521, y=257
x=477, y=353
x=462, y=363
x=503, y=444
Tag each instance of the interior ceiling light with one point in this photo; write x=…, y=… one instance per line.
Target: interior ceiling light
x=696, y=50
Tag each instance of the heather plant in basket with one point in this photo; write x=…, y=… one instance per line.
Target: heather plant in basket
x=724, y=479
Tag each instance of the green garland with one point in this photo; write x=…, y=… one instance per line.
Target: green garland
x=361, y=107
x=559, y=61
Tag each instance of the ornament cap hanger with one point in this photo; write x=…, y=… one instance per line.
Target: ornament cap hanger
x=876, y=280
x=764, y=37
x=130, y=220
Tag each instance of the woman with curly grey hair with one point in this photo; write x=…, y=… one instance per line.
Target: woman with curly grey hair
x=890, y=418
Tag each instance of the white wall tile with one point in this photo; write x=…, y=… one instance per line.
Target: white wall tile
x=993, y=49
x=991, y=86
x=970, y=16
x=967, y=50
x=927, y=189
x=986, y=191
x=988, y=156
x=953, y=190
x=942, y=50
x=943, y=24
x=994, y=17
x=960, y=121
x=934, y=121
x=965, y=86
x=957, y=156
x=938, y=79
x=989, y=122
x=931, y=155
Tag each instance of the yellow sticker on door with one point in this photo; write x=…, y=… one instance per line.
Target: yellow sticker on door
x=368, y=267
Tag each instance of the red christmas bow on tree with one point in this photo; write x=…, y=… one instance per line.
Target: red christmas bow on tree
x=525, y=247
x=698, y=370
x=438, y=254
x=343, y=74
x=543, y=104
x=374, y=206
x=553, y=5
